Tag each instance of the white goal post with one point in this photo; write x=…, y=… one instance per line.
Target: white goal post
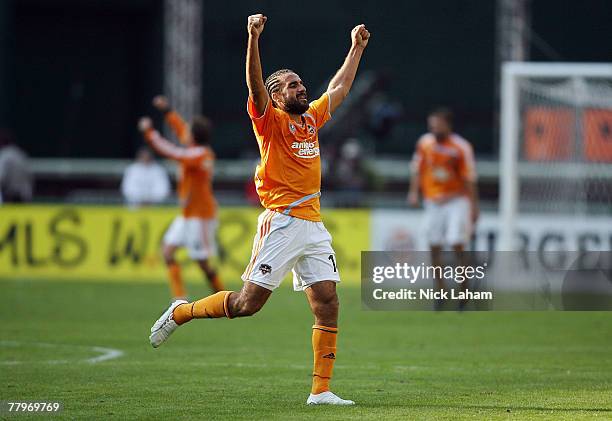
x=512, y=167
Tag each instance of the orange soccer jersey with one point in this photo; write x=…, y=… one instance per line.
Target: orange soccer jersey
x=288, y=178
x=443, y=166
x=195, y=171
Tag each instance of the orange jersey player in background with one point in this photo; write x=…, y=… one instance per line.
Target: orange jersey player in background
x=196, y=227
x=443, y=169
x=290, y=235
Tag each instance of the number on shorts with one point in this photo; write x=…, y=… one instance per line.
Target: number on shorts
x=331, y=257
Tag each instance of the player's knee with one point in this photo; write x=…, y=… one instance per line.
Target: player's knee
x=331, y=300
x=327, y=305
x=203, y=263
x=168, y=253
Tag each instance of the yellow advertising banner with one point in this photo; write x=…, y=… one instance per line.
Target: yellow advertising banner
x=118, y=244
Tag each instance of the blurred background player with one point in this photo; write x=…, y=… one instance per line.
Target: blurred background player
x=144, y=182
x=15, y=175
x=196, y=227
x=443, y=169
x=290, y=235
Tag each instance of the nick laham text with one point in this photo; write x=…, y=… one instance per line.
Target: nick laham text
x=431, y=294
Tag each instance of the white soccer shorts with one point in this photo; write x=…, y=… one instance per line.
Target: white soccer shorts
x=283, y=243
x=197, y=235
x=448, y=223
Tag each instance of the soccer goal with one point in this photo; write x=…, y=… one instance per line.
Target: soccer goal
x=556, y=143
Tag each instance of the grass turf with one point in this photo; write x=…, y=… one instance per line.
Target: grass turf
x=396, y=365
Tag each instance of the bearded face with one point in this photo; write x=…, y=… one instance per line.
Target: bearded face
x=297, y=104
x=439, y=127
x=293, y=97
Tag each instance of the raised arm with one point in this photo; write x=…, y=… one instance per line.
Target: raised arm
x=413, y=193
x=173, y=118
x=254, y=74
x=467, y=168
x=341, y=83
x=166, y=148
x=415, y=177
x=472, y=194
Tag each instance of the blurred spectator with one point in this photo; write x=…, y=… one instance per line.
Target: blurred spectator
x=351, y=174
x=383, y=115
x=145, y=181
x=15, y=176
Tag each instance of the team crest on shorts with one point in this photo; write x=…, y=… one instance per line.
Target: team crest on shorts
x=265, y=269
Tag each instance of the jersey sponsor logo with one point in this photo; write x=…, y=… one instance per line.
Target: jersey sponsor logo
x=265, y=269
x=307, y=150
x=440, y=174
x=207, y=164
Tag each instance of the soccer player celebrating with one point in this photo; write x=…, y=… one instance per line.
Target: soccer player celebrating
x=290, y=234
x=443, y=167
x=195, y=228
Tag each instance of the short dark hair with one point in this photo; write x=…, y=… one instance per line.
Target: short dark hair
x=444, y=113
x=201, y=129
x=273, y=81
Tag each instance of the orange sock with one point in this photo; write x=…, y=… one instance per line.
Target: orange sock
x=216, y=283
x=211, y=307
x=176, y=281
x=324, y=349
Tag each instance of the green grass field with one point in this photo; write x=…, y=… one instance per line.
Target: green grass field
x=395, y=365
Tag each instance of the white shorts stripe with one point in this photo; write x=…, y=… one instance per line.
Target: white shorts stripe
x=262, y=231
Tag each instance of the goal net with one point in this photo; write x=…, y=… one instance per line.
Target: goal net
x=556, y=143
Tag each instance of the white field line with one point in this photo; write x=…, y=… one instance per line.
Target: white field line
x=105, y=353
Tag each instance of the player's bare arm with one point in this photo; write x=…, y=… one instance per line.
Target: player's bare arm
x=179, y=126
x=341, y=83
x=472, y=193
x=413, y=193
x=254, y=74
x=415, y=178
x=163, y=146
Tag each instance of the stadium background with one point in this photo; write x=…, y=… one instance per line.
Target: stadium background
x=54, y=53
x=74, y=78
x=79, y=126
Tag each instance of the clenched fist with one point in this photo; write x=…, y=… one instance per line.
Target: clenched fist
x=161, y=103
x=255, y=24
x=360, y=36
x=144, y=124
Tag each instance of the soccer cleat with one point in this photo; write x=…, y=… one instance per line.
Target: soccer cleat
x=327, y=398
x=165, y=325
